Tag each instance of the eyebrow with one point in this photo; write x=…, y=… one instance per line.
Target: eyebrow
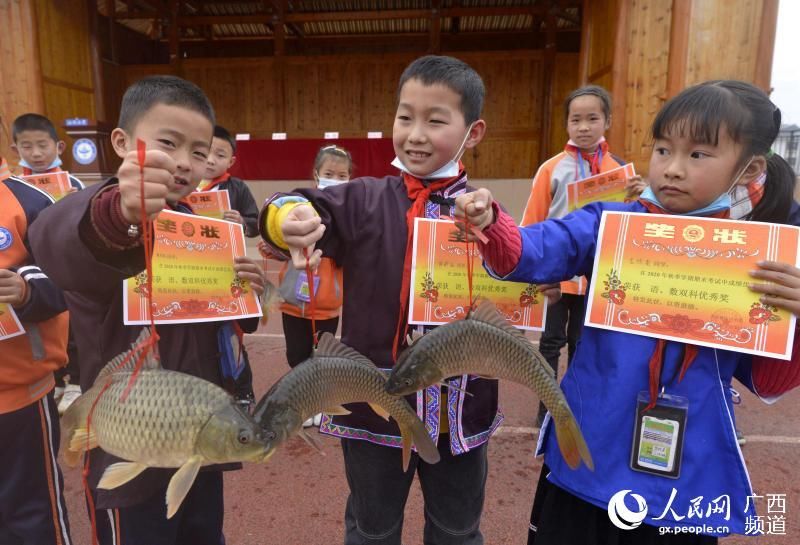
x=432, y=109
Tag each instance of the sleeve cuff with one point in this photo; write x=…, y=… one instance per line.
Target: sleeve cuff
x=503, y=250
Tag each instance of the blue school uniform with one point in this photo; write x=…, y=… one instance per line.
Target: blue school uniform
x=602, y=385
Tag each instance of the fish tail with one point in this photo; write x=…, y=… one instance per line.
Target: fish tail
x=73, y=419
x=416, y=433
x=571, y=442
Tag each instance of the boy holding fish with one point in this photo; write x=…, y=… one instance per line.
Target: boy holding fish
x=90, y=243
x=366, y=226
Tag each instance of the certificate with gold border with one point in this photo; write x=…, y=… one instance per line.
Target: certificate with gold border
x=686, y=279
x=55, y=184
x=10, y=325
x=211, y=204
x=607, y=186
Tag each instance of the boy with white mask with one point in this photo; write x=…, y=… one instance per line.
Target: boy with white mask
x=366, y=226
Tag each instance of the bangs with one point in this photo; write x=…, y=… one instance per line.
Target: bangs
x=699, y=113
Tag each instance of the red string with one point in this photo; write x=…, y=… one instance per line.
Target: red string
x=312, y=298
x=470, y=255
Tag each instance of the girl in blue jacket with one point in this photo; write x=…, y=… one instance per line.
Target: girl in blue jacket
x=708, y=140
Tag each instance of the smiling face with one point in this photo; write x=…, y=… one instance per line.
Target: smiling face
x=686, y=175
x=37, y=148
x=429, y=127
x=586, y=121
x=182, y=133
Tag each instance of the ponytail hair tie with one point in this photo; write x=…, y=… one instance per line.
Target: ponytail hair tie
x=770, y=154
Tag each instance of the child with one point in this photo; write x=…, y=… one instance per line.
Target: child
x=244, y=211
x=333, y=166
x=707, y=140
x=90, y=243
x=32, y=504
x=39, y=149
x=365, y=226
x=587, y=116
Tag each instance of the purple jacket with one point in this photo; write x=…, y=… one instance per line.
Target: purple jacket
x=366, y=234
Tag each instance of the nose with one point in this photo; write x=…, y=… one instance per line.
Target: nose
x=674, y=169
x=417, y=134
x=183, y=160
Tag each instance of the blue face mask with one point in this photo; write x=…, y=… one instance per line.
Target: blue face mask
x=56, y=163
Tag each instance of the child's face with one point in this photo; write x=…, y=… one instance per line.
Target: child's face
x=586, y=121
x=182, y=133
x=334, y=168
x=429, y=127
x=686, y=175
x=38, y=149
x=220, y=159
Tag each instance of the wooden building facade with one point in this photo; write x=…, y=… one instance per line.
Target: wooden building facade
x=309, y=66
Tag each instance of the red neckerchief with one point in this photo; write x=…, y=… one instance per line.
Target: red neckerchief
x=690, y=350
x=5, y=172
x=28, y=172
x=594, y=159
x=216, y=181
x=418, y=192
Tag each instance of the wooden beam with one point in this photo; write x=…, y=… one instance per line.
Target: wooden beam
x=681, y=22
x=174, y=35
x=279, y=31
x=766, y=45
x=455, y=22
x=435, y=33
x=619, y=77
x=586, y=43
x=548, y=83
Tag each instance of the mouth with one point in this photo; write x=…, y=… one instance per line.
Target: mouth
x=417, y=155
x=671, y=190
x=181, y=181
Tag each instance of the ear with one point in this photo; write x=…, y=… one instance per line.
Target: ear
x=119, y=141
x=60, y=147
x=15, y=149
x=233, y=160
x=757, y=166
x=476, y=134
x=608, y=122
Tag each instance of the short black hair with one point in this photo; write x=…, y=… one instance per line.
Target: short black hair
x=591, y=90
x=222, y=132
x=169, y=90
x=33, y=122
x=452, y=73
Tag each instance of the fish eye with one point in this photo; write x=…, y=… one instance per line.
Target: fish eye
x=267, y=435
x=245, y=436
x=408, y=382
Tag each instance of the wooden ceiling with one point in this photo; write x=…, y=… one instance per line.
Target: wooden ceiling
x=297, y=27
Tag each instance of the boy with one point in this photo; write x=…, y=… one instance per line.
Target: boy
x=92, y=242
x=39, y=149
x=32, y=507
x=366, y=227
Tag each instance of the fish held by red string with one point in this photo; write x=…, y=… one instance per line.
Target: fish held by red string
x=486, y=345
x=169, y=420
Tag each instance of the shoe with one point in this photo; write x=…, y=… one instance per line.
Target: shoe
x=740, y=438
x=313, y=422
x=71, y=393
x=317, y=420
x=58, y=393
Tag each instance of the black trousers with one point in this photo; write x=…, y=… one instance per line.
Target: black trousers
x=453, y=490
x=298, y=335
x=197, y=522
x=559, y=518
x=32, y=508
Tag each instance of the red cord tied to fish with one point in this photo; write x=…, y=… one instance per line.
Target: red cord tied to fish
x=312, y=303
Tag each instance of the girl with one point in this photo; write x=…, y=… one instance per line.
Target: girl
x=333, y=166
x=587, y=116
x=709, y=139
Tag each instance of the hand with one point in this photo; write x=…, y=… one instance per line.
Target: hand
x=159, y=169
x=247, y=269
x=784, y=292
x=552, y=292
x=634, y=186
x=13, y=290
x=476, y=209
x=234, y=216
x=301, y=230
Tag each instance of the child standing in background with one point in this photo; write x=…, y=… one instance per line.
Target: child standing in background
x=587, y=116
x=39, y=149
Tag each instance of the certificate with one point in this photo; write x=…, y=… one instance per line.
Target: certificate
x=608, y=186
x=9, y=323
x=686, y=279
x=193, y=276
x=439, y=286
x=55, y=184
x=211, y=204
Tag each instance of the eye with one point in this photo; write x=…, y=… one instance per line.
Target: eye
x=437, y=122
x=245, y=436
x=200, y=155
x=408, y=382
x=699, y=155
x=167, y=143
x=403, y=118
x=661, y=151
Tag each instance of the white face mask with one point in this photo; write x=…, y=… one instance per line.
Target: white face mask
x=448, y=170
x=322, y=183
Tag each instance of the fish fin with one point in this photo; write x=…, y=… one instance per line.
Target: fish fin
x=572, y=444
x=413, y=337
x=180, y=483
x=380, y=411
x=456, y=388
x=426, y=448
x=82, y=440
x=485, y=311
x=337, y=410
x=116, y=365
x=311, y=441
x=329, y=347
x=120, y=473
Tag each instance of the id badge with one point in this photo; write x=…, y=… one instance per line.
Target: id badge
x=301, y=290
x=658, y=435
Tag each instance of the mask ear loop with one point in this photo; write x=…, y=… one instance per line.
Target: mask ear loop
x=739, y=176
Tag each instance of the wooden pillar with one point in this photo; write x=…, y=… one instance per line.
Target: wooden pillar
x=279, y=52
x=678, y=46
x=174, y=37
x=586, y=41
x=98, y=82
x=766, y=45
x=619, y=78
x=435, y=45
x=548, y=79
